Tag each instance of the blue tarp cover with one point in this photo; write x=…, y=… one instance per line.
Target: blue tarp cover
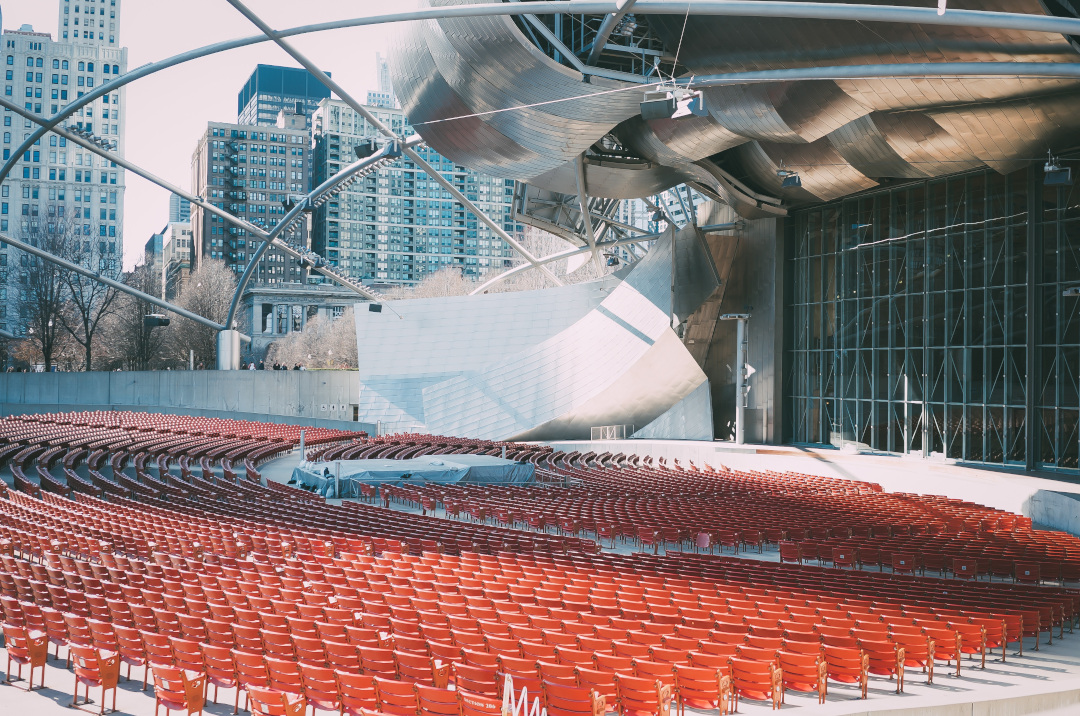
x=475, y=469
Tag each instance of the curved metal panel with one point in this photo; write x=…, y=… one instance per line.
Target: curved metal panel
x=838, y=134
x=866, y=148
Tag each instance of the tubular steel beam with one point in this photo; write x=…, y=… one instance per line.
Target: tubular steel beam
x=583, y=203
x=197, y=201
x=326, y=186
x=43, y=254
x=464, y=201
x=607, y=27
x=577, y=251
x=406, y=150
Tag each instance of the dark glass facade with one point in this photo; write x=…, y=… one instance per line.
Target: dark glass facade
x=929, y=318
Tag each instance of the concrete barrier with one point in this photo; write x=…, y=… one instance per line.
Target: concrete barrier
x=321, y=398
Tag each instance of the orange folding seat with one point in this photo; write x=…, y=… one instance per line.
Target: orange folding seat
x=948, y=643
x=55, y=629
x=95, y=668
x=614, y=664
x=624, y=648
x=268, y=702
x=220, y=670
x=251, y=671
x=973, y=639
x=563, y=700
x=357, y=693
x=129, y=645
x=476, y=679
x=377, y=662
x=574, y=657
x=644, y=669
x=394, y=697
x=502, y=645
x=847, y=666
x=284, y=675
x=342, y=656
x=437, y=701
x=994, y=631
x=557, y=673
x=444, y=650
x=702, y=689
x=594, y=644
x=756, y=680
x=320, y=688
x=421, y=669
x=805, y=673
x=642, y=697
x=885, y=658
x=602, y=683
x=536, y=650
x=179, y=690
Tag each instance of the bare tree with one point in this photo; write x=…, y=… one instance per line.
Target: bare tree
x=323, y=344
x=43, y=292
x=131, y=343
x=90, y=301
x=208, y=292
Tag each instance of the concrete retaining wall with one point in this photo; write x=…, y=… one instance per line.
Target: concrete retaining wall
x=317, y=398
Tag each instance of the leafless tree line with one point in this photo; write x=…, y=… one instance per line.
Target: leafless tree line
x=75, y=322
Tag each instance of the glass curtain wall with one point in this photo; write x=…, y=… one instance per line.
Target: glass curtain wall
x=929, y=318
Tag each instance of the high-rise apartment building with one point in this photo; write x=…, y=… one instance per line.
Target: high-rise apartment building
x=271, y=89
x=398, y=225
x=249, y=171
x=176, y=255
x=384, y=96
x=57, y=187
x=179, y=210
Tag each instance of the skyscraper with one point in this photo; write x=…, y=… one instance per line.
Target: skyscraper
x=398, y=225
x=57, y=189
x=271, y=89
x=179, y=209
x=248, y=171
x=384, y=96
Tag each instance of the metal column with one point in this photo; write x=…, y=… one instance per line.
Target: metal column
x=740, y=373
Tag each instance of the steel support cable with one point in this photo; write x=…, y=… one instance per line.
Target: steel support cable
x=796, y=10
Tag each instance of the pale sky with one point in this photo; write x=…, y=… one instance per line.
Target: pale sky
x=167, y=112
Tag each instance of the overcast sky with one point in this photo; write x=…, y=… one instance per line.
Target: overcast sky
x=167, y=112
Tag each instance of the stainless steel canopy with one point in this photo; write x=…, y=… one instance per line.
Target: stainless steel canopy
x=528, y=116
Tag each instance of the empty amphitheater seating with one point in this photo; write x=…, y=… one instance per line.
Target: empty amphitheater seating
x=161, y=553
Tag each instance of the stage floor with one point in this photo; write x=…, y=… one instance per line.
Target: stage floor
x=443, y=469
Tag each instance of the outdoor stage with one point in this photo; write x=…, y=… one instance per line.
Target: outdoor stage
x=470, y=469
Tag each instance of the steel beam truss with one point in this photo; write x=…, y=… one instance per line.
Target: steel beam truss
x=613, y=10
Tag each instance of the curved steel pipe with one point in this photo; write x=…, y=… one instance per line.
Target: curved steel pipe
x=607, y=27
x=197, y=201
x=1049, y=70
x=557, y=256
x=318, y=191
x=52, y=258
